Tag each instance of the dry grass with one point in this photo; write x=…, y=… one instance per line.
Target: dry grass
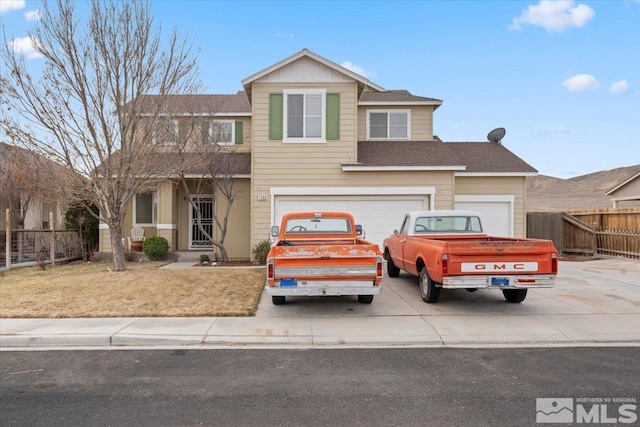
x=91, y=290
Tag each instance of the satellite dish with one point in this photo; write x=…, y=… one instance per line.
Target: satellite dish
x=496, y=135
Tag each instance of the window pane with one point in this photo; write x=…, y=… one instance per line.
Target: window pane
x=221, y=132
x=378, y=125
x=165, y=132
x=314, y=105
x=398, y=125
x=295, y=116
x=144, y=208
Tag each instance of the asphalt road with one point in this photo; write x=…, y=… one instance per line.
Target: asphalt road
x=317, y=387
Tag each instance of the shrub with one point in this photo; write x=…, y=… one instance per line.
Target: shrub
x=155, y=248
x=204, y=258
x=261, y=250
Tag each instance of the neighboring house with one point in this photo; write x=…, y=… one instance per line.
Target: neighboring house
x=27, y=192
x=312, y=135
x=626, y=191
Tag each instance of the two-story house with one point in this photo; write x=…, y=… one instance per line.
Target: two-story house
x=312, y=135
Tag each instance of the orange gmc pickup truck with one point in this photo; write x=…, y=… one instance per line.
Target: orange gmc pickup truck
x=322, y=254
x=448, y=249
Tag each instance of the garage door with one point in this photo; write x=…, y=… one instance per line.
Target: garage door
x=379, y=215
x=497, y=219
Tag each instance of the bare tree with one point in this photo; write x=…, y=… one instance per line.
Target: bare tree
x=84, y=110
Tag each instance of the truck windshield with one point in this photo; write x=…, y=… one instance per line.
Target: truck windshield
x=448, y=224
x=318, y=225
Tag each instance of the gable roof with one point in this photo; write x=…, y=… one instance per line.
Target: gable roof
x=486, y=158
x=246, y=83
x=623, y=183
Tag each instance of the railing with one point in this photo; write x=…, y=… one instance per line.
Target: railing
x=31, y=247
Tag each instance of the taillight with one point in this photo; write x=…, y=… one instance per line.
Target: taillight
x=379, y=267
x=554, y=263
x=270, y=269
x=445, y=264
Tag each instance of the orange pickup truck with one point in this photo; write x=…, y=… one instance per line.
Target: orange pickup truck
x=448, y=249
x=322, y=254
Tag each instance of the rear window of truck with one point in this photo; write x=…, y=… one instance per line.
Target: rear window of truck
x=318, y=225
x=448, y=224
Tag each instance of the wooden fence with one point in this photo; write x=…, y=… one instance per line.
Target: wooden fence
x=603, y=232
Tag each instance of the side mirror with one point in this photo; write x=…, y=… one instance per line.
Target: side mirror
x=275, y=231
x=395, y=233
x=359, y=230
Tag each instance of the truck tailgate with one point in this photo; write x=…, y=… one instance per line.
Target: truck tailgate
x=327, y=262
x=509, y=256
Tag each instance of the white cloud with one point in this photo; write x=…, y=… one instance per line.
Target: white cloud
x=581, y=83
x=33, y=15
x=619, y=87
x=24, y=45
x=285, y=36
x=553, y=130
x=7, y=5
x=355, y=68
x=554, y=15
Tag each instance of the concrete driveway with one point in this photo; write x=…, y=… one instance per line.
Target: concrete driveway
x=593, y=302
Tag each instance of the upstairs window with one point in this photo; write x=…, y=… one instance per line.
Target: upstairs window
x=393, y=124
x=222, y=132
x=304, y=115
x=165, y=132
x=145, y=209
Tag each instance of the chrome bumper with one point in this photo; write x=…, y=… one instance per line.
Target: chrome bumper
x=499, y=282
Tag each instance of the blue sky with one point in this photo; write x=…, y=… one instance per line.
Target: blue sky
x=563, y=77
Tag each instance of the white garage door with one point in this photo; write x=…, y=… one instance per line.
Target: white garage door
x=496, y=216
x=379, y=215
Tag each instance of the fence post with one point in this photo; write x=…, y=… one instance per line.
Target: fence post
x=52, y=241
x=595, y=239
x=8, y=240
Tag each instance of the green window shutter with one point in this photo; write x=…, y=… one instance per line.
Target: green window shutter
x=239, y=139
x=333, y=116
x=204, y=132
x=276, y=105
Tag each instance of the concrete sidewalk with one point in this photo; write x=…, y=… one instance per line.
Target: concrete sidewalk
x=593, y=303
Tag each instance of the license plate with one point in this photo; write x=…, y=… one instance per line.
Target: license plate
x=288, y=283
x=499, y=281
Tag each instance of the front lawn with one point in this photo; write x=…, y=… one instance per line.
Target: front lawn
x=145, y=290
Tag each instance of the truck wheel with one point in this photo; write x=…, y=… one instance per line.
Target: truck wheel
x=392, y=270
x=365, y=299
x=278, y=299
x=514, y=295
x=428, y=289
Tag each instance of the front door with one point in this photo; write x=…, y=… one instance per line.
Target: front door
x=197, y=239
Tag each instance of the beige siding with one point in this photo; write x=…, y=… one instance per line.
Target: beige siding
x=631, y=189
x=421, y=121
x=508, y=186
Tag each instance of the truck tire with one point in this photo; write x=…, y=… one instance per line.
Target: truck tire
x=365, y=299
x=392, y=270
x=428, y=289
x=514, y=295
x=278, y=299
